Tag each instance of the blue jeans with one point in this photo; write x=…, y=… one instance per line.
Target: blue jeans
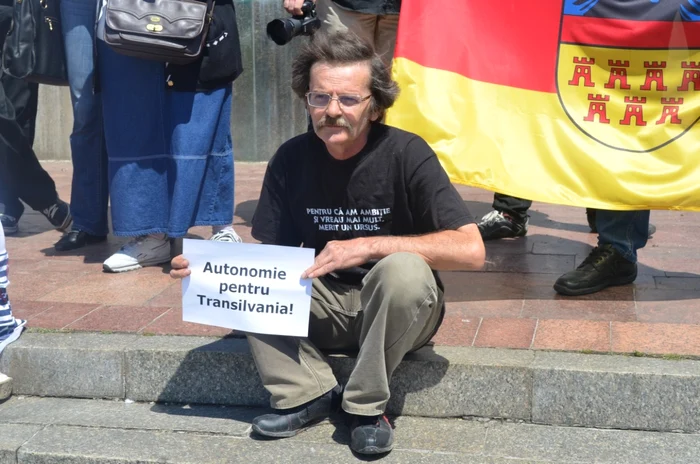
x=626, y=231
x=89, y=192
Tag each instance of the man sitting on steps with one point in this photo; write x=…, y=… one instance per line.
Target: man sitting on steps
x=375, y=289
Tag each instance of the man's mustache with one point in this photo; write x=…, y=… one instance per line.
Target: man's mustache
x=332, y=122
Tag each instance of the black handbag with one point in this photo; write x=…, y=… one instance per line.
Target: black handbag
x=221, y=58
x=33, y=49
x=161, y=30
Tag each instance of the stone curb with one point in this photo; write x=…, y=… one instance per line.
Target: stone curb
x=605, y=391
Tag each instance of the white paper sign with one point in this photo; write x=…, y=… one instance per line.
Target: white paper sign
x=247, y=287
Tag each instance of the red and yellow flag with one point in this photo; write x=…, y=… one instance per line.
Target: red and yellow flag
x=579, y=102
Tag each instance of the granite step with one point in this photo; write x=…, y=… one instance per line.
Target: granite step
x=539, y=387
x=70, y=431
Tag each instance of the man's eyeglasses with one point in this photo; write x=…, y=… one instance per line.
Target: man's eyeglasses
x=322, y=100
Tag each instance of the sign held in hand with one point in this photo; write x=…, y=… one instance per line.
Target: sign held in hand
x=247, y=287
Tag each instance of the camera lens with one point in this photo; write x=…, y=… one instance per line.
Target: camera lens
x=280, y=31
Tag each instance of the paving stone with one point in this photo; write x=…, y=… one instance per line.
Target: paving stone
x=36, y=410
x=506, y=333
x=417, y=441
x=222, y=420
x=456, y=330
x=549, y=388
x=572, y=335
x=61, y=444
x=11, y=438
x=127, y=415
x=76, y=365
x=448, y=382
x=616, y=391
x=566, y=444
x=193, y=370
x=679, y=339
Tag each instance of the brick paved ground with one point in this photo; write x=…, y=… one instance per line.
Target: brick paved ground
x=510, y=303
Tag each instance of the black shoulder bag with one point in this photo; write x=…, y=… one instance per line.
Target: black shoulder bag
x=33, y=49
x=161, y=30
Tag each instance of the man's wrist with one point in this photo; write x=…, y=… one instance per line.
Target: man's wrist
x=373, y=247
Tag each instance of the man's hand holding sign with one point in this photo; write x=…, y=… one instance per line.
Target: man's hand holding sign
x=251, y=288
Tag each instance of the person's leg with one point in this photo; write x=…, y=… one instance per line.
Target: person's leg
x=89, y=189
x=295, y=371
x=591, y=219
x=23, y=97
x=513, y=206
x=614, y=260
x=402, y=305
x=21, y=172
x=626, y=231
x=508, y=219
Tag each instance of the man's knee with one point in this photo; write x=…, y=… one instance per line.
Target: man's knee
x=405, y=275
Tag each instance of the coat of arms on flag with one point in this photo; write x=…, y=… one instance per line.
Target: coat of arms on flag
x=627, y=71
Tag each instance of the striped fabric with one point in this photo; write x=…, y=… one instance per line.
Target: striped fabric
x=10, y=328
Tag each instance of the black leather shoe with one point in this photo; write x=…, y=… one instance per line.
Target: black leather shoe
x=371, y=435
x=77, y=239
x=605, y=266
x=292, y=421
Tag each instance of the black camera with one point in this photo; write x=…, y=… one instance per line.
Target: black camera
x=281, y=31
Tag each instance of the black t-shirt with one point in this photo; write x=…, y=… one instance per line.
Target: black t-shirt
x=376, y=7
x=394, y=186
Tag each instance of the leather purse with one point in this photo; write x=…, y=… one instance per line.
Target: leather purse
x=33, y=49
x=162, y=30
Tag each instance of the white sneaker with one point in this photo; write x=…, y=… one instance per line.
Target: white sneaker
x=226, y=235
x=5, y=387
x=147, y=250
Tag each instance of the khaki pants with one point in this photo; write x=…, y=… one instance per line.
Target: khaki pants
x=378, y=30
x=395, y=310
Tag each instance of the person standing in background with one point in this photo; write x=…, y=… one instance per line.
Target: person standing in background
x=21, y=175
x=89, y=192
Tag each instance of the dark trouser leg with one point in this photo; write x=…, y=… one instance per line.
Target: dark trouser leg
x=513, y=206
x=20, y=171
x=23, y=97
x=626, y=231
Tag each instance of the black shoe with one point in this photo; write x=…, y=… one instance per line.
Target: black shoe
x=289, y=422
x=77, y=239
x=497, y=225
x=590, y=217
x=9, y=224
x=605, y=266
x=371, y=435
x=59, y=215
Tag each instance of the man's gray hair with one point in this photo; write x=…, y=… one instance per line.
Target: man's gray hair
x=341, y=49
